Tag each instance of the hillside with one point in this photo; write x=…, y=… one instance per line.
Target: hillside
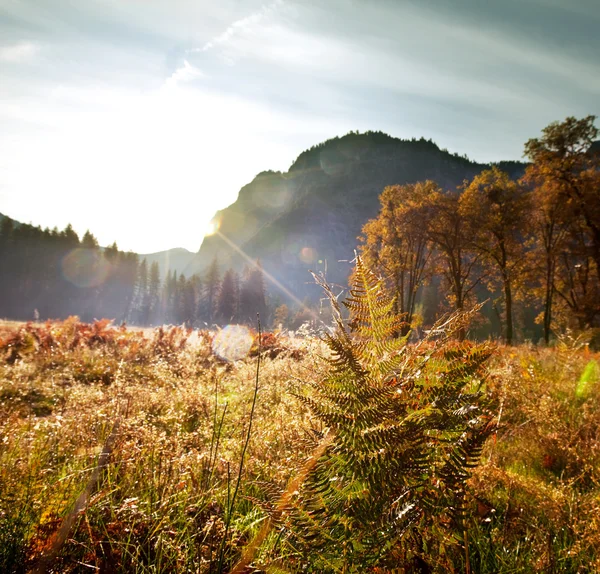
x=3, y=217
x=310, y=216
x=177, y=259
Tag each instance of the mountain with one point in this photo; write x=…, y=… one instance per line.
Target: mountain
x=310, y=216
x=178, y=259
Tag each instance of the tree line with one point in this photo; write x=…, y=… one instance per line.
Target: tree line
x=531, y=243
x=51, y=274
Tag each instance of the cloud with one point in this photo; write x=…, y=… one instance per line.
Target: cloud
x=184, y=74
x=240, y=26
x=18, y=53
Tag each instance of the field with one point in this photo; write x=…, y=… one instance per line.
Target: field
x=144, y=451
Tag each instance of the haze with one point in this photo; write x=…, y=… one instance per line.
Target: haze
x=138, y=120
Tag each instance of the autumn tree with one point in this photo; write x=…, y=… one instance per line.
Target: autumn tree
x=565, y=177
x=397, y=246
x=496, y=209
x=450, y=233
x=576, y=282
x=549, y=226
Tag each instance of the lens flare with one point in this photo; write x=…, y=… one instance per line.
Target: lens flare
x=232, y=343
x=213, y=226
x=85, y=267
x=308, y=255
x=270, y=277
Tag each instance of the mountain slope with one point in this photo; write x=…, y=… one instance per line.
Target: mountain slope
x=178, y=259
x=310, y=217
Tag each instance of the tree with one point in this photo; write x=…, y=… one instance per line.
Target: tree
x=70, y=237
x=549, y=226
x=212, y=285
x=141, y=297
x=450, y=233
x=226, y=303
x=565, y=174
x=170, y=297
x=496, y=208
x=397, y=246
x=89, y=241
x=154, y=288
x=576, y=282
x=184, y=297
x=281, y=316
x=253, y=295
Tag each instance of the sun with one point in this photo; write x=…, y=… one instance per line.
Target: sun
x=211, y=227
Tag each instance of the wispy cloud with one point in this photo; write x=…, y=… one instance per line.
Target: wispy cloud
x=184, y=74
x=18, y=53
x=240, y=26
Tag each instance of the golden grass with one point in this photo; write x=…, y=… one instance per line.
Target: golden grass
x=161, y=502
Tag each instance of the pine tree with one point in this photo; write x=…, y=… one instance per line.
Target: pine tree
x=253, y=295
x=89, y=241
x=141, y=297
x=212, y=283
x=226, y=302
x=154, y=293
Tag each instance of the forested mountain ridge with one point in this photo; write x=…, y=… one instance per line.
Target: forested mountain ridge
x=177, y=259
x=310, y=216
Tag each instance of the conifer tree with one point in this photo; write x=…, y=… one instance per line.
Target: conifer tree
x=70, y=236
x=89, y=241
x=253, y=295
x=226, y=302
x=141, y=298
x=154, y=292
x=212, y=283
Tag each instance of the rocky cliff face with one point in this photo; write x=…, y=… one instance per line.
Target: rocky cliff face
x=311, y=216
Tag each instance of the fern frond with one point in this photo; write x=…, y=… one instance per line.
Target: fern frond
x=409, y=423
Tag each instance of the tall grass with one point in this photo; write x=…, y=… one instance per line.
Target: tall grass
x=160, y=503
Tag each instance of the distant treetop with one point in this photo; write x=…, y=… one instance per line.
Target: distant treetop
x=354, y=142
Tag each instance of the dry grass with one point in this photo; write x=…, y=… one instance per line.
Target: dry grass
x=163, y=501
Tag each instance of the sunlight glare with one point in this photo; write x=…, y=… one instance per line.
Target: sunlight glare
x=211, y=227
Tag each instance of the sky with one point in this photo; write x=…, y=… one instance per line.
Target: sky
x=138, y=119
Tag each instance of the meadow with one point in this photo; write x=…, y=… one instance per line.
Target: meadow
x=125, y=450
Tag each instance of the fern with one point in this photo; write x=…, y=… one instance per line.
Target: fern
x=408, y=423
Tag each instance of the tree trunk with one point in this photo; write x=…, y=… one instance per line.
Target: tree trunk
x=509, y=317
x=462, y=332
x=548, y=302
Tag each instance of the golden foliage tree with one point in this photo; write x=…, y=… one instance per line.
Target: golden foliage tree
x=451, y=235
x=565, y=175
x=496, y=209
x=397, y=246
